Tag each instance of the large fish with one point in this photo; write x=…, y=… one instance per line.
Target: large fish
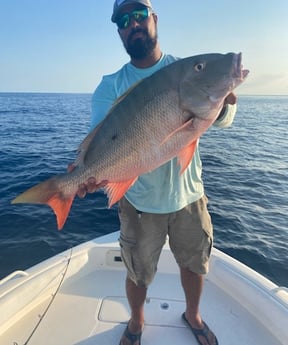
x=159, y=118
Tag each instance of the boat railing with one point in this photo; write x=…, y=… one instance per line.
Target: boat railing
x=15, y=274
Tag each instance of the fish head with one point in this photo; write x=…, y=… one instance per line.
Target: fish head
x=207, y=80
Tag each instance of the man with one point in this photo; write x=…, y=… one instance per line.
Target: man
x=162, y=202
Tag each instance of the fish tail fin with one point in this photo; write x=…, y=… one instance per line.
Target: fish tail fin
x=49, y=193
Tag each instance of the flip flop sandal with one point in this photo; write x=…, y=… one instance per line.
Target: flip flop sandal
x=133, y=338
x=203, y=332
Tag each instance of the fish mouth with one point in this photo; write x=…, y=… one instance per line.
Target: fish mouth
x=234, y=78
x=237, y=68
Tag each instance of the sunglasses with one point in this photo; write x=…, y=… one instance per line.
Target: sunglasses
x=138, y=15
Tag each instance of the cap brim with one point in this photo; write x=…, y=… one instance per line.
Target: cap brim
x=115, y=13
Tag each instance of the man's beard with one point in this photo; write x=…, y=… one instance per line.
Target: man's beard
x=140, y=48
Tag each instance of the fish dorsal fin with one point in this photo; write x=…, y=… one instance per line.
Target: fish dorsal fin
x=83, y=147
x=115, y=190
x=185, y=155
x=88, y=139
x=119, y=99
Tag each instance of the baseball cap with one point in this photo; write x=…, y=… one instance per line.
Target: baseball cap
x=118, y=4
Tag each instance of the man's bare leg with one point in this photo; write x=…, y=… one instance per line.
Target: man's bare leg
x=193, y=285
x=136, y=298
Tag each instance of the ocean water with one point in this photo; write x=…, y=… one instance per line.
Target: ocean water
x=245, y=170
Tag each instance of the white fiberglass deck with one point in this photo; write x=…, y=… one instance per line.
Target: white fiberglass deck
x=90, y=307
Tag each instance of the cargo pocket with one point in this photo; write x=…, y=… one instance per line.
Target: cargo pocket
x=205, y=217
x=127, y=246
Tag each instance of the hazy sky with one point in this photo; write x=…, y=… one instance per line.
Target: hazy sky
x=67, y=45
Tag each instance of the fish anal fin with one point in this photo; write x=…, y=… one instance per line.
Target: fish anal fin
x=185, y=156
x=115, y=190
x=61, y=207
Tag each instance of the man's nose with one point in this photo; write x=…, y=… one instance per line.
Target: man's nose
x=134, y=23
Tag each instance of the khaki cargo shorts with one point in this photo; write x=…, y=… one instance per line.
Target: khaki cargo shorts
x=143, y=235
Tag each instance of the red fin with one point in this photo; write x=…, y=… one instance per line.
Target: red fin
x=115, y=190
x=48, y=193
x=61, y=208
x=185, y=156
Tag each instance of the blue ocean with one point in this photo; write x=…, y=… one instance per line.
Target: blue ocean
x=245, y=170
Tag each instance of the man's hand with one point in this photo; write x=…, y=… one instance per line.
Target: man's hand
x=90, y=186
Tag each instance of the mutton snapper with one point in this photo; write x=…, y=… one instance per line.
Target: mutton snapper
x=159, y=118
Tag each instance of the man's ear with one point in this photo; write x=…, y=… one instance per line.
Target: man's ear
x=118, y=30
x=155, y=17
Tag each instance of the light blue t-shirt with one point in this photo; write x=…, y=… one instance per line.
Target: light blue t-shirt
x=163, y=190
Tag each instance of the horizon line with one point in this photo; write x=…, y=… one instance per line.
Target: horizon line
x=91, y=93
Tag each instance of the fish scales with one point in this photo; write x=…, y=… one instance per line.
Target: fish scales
x=159, y=118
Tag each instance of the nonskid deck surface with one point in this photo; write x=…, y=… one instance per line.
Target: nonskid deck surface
x=94, y=311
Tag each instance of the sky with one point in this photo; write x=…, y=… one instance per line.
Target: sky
x=68, y=45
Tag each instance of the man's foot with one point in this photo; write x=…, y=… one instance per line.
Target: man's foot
x=204, y=335
x=131, y=338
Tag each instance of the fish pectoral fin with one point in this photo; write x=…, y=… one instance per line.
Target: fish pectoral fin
x=48, y=193
x=185, y=126
x=185, y=156
x=115, y=190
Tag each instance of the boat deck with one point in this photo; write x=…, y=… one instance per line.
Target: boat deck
x=90, y=307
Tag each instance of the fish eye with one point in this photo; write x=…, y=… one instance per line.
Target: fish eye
x=199, y=67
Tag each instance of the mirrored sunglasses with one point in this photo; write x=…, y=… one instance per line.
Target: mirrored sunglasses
x=139, y=16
